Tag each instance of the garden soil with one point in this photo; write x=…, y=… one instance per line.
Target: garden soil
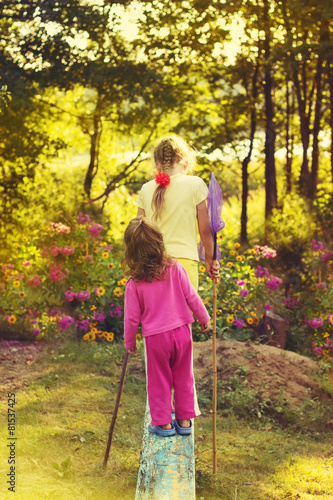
x=268, y=370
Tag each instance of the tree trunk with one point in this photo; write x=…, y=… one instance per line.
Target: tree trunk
x=246, y=161
x=288, y=140
x=95, y=138
x=270, y=173
x=330, y=80
x=316, y=129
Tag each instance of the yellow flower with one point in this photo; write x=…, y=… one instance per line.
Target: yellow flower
x=110, y=266
x=250, y=321
x=25, y=239
x=138, y=336
x=93, y=308
x=239, y=307
x=239, y=258
x=100, y=291
x=221, y=262
x=105, y=255
x=6, y=277
x=253, y=251
x=12, y=319
x=103, y=244
x=110, y=336
x=16, y=283
x=230, y=264
x=230, y=319
x=21, y=294
x=237, y=245
x=202, y=269
x=117, y=292
x=326, y=334
x=123, y=281
x=94, y=330
x=92, y=335
x=233, y=252
x=327, y=277
x=218, y=312
x=95, y=249
x=253, y=313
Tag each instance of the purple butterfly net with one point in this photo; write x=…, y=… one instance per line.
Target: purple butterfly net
x=215, y=205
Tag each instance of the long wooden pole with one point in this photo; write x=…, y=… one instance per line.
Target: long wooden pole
x=214, y=379
x=114, y=417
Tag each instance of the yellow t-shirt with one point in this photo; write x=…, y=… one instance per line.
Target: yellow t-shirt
x=178, y=220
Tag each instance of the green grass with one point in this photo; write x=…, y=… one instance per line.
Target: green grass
x=67, y=413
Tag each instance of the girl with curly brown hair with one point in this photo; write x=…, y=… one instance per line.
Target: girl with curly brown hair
x=159, y=295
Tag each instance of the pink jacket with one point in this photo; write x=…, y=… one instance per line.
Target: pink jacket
x=162, y=305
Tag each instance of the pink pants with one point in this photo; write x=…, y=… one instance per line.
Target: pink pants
x=169, y=364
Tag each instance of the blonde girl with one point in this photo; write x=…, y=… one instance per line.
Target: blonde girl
x=176, y=202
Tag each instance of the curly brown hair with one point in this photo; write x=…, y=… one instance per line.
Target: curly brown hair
x=145, y=255
x=170, y=150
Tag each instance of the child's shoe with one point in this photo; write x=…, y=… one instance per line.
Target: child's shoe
x=156, y=429
x=184, y=431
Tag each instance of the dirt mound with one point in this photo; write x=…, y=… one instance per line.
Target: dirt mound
x=267, y=369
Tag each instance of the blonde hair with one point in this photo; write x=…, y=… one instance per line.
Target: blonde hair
x=145, y=255
x=170, y=150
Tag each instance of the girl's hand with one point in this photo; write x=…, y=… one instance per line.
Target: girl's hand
x=213, y=269
x=206, y=327
x=132, y=350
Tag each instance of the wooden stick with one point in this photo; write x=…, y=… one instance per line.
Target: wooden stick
x=214, y=379
x=114, y=417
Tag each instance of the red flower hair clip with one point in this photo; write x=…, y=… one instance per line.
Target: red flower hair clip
x=162, y=179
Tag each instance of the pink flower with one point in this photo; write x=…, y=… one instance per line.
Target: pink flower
x=54, y=312
x=243, y=293
x=321, y=284
x=239, y=323
x=83, y=218
x=70, y=296
x=268, y=307
x=83, y=325
x=329, y=344
x=65, y=322
x=326, y=256
x=318, y=351
x=261, y=272
x=35, y=331
x=67, y=250
x=35, y=281
x=265, y=251
x=240, y=282
x=26, y=263
x=316, y=246
x=99, y=316
x=95, y=230
x=83, y=295
x=56, y=273
x=330, y=318
x=315, y=322
x=273, y=283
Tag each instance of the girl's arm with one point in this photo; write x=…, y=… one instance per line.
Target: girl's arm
x=207, y=240
x=141, y=211
x=132, y=316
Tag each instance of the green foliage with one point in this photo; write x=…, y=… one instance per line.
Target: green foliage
x=291, y=228
x=64, y=468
